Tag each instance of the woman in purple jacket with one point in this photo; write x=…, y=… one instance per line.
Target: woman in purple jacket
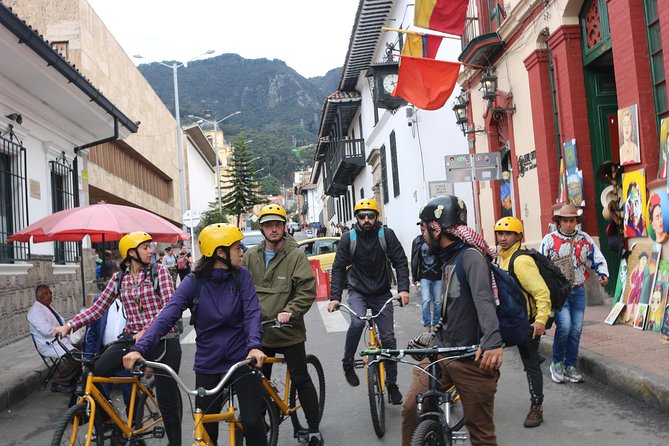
x=227, y=324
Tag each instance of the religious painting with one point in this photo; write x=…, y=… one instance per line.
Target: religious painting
x=641, y=266
x=658, y=212
x=505, y=195
x=664, y=149
x=635, y=211
x=575, y=188
x=570, y=156
x=628, y=135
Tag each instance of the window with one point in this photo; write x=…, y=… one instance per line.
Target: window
x=63, y=197
x=384, y=175
x=656, y=60
x=13, y=197
x=362, y=193
x=393, y=162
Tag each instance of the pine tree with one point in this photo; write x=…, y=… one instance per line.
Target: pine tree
x=241, y=178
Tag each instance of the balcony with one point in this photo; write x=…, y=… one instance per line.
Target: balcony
x=343, y=163
x=480, y=41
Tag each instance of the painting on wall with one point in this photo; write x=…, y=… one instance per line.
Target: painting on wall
x=658, y=212
x=628, y=135
x=641, y=266
x=635, y=211
x=570, y=156
x=664, y=149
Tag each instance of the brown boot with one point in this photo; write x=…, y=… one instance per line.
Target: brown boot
x=535, y=417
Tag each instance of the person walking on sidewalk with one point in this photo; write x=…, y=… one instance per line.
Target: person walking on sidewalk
x=286, y=287
x=573, y=251
x=170, y=261
x=369, y=284
x=426, y=269
x=469, y=318
x=143, y=297
x=509, y=234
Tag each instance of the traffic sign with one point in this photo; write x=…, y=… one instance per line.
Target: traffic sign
x=191, y=218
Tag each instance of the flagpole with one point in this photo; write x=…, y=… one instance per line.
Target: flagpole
x=420, y=33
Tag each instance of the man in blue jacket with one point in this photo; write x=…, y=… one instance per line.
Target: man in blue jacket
x=369, y=285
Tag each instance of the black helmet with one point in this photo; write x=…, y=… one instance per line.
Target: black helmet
x=448, y=210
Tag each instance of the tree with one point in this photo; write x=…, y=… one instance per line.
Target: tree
x=241, y=178
x=270, y=186
x=210, y=216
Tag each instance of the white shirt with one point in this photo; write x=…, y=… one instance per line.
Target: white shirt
x=42, y=322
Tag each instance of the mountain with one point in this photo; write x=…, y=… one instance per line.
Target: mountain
x=280, y=109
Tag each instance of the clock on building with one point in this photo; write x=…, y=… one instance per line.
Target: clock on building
x=382, y=81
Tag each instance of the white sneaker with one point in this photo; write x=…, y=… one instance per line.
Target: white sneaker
x=572, y=375
x=557, y=372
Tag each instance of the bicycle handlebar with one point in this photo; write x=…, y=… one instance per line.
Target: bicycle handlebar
x=201, y=392
x=274, y=323
x=451, y=352
x=350, y=311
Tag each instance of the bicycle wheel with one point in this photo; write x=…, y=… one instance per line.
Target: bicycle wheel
x=429, y=433
x=315, y=370
x=270, y=417
x=377, y=404
x=147, y=412
x=72, y=430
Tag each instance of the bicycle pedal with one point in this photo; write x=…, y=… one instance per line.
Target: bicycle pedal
x=459, y=436
x=302, y=436
x=158, y=432
x=359, y=364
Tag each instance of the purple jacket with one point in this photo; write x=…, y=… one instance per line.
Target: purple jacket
x=228, y=323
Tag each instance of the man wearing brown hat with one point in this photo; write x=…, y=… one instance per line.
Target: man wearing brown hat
x=573, y=251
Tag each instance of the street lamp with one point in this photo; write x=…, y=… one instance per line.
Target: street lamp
x=177, y=116
x=208, y=118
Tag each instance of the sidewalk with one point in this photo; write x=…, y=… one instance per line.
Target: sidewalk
x=632, y=361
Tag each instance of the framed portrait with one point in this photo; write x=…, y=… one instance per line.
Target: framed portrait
x=634, y=205
x=658, y=213
x=628, y=134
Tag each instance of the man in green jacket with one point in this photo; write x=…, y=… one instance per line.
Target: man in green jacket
x=286, y=287
x=508, y=234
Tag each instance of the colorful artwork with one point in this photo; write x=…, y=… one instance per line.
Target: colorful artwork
x=658, y=300
x=664, y=149
x=575, y=188
x=620, y=282
x=570, y=156
x=640, y=317
x=658, y=211
x=665, y=322
x=642, y=266
x=628, y=135
x=505, y=196
x=615, y=312
x=635, y=213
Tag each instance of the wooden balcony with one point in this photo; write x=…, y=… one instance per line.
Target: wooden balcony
x=344, y=162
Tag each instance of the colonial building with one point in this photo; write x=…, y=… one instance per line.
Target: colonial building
x=393, y=153
x=556, y=72
x=49, y=113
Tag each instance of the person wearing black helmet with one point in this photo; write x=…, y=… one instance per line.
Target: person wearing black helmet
x=369, y=285
x=468, y=317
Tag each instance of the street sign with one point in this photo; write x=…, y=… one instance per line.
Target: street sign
x=191, y=218
x=437, y=188
x=464, y=168
x=254, y=218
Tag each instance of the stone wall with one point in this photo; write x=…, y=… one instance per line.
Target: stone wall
x=17, y=294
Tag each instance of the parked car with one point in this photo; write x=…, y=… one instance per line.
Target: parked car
x=252, y=238
x=322, y=249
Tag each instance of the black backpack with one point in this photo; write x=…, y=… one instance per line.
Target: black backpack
x=512, y=309
x=556, y=282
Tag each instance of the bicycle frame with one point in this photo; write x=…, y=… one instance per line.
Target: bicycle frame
x=281, y=402
x=375, y=342
x=95, y=398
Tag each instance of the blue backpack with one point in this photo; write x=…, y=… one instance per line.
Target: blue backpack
x=511, y=311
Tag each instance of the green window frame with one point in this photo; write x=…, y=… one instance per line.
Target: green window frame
x=656, y=56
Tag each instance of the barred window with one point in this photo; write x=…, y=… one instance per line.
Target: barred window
x=13, y=197
x=393, y=163
x=63, y=197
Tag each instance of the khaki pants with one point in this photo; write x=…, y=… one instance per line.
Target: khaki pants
x=477, y=390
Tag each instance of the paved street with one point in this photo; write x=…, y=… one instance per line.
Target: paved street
x=586, y=414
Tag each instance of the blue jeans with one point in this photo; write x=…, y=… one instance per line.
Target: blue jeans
x=431, y=291
x=568, y=328
x=384, y=323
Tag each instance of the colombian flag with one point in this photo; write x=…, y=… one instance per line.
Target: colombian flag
x=446, y=16
x=426, y=83
x=421, y=45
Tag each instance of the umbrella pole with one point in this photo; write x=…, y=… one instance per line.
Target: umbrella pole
x=81, y=268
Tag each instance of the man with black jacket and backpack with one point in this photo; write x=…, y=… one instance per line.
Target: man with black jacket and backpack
x=369, y=285
x=469, y=317
x=509, y=233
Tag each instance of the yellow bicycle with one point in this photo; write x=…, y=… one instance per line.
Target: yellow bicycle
x=374, y=370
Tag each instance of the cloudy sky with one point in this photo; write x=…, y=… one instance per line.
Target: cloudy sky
x=311, y=36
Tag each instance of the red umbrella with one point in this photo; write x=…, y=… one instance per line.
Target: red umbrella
x=102, y=222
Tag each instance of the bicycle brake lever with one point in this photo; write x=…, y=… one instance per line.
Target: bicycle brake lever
x=137, y=369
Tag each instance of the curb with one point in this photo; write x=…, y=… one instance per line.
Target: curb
x=18, y=387
x=639, y=384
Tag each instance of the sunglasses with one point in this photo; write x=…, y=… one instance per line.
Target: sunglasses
x=363, y=215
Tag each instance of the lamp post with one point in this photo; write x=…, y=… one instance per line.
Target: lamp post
x=208, y=118
x=177, y=115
